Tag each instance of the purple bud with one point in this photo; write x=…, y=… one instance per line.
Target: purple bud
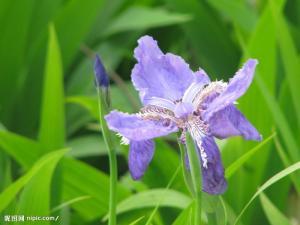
x=101, y=77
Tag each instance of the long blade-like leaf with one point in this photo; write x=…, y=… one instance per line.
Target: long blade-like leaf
x=48, y=161
x=268, y=183
x=289, y=56
x=52, y=124
x=163, y=197
x=273, y=214
x=239, y=162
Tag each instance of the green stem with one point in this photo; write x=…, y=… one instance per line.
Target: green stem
x=103, y=108
x=195, y=165
x=186, y=175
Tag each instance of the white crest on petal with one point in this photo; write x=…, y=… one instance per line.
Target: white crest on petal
x=154, y=112
x=192, y=92
x=124, y=140
x=161, y=102
x=213, y=87
x=197, y=132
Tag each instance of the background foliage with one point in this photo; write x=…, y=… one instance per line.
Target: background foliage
x=53, y=160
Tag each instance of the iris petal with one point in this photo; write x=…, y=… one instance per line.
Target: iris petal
x=183, y=109
x=159, y=75
x=202, y=77
x=231, y=122
x=135, y=128
x=236, y=87
x=161, y=102
x=139, y=157
x=213, y=175
x=213, y=179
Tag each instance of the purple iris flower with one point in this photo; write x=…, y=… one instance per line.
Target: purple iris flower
x=175, y=99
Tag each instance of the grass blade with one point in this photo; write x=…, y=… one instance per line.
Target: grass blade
x=268, y=183
x=68, y=203
x=274, y=216
x=289, y=56
x=167, y=188
x=240, y=161
x=137, y=220
x=287, y=162
x=185, y=217
x=280, y=120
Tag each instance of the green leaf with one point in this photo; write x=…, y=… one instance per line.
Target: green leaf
x=52, y=124
x=158, y=169
x=38, y=190
x=280, y=120
x=14, y=22
x=167, y=188
x=23, y=150
x=262, y=46
x=163, y=197
x=237, y=11
x=5, y=170
x=185, y=217
x=203, y=33
x=231, y=215
x=273, y=214
x=268, y=183
x=87, y=102
x=289, y=56
x=147, y=18
x=70, y=202
x=215, y=209
x=287, y=162
x=120, y=101
x=2, y=127
x=137, y=220
x=240, y=161
x=88, y=145
x=96, y=184
x=73, y=23
x=41, y=168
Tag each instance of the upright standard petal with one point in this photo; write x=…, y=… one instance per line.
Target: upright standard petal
x=159, y=75
x=213, y=175
x=201, y=77
x=231, y=122
x=139, y=157
x=135, y=128
x=183, y=110
x=236, y=87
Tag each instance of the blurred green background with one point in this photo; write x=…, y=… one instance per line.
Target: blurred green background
x=53, y=160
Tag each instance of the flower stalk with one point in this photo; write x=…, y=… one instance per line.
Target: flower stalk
x=102, y=84
x=186, y=174
x=195, y=167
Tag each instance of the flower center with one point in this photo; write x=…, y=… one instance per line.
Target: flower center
x=183, y=110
